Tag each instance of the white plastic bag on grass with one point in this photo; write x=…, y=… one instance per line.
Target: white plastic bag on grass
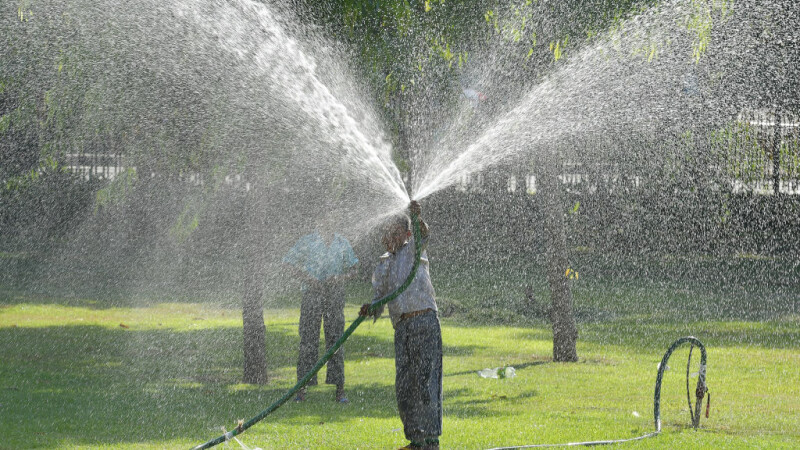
x=498, y=372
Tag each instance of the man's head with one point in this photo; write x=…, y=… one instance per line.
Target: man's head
x=395, y=232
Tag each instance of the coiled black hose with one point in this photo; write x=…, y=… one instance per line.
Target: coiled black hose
x=700, y=392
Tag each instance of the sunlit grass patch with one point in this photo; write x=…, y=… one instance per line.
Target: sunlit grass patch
x=175, y=316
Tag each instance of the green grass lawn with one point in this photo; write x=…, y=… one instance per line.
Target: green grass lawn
x=79, y=373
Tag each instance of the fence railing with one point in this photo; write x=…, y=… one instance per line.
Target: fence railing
x=759, y=152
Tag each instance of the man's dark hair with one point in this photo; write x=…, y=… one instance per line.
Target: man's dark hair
x=397, y=221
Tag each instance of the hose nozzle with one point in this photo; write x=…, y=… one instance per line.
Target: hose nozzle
x=414, y=208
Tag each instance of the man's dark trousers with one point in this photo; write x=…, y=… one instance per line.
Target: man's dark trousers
x=418, y=382
x=323, y=301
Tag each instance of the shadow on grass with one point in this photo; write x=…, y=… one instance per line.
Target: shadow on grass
x=462, y=402
x=654, y=334
x=93, y=385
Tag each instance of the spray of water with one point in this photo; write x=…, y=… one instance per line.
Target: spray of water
x=634, y=77
x=252, y=32
x=214, y=99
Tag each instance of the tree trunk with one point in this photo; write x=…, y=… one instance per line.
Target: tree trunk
x=254, y=330
x=565, y=333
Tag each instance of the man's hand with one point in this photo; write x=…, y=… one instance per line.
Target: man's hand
x=364, y=311
x=424, y=231
x=414, y=208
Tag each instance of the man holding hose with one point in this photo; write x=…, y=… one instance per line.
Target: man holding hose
x=417, y=333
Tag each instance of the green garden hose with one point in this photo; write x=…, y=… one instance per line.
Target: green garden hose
x=700, y=392
x=242, y=426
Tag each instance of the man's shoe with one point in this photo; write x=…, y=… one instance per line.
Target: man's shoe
x=412, y=446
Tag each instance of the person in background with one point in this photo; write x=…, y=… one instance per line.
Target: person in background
x=323, y=261
x=417, y=333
